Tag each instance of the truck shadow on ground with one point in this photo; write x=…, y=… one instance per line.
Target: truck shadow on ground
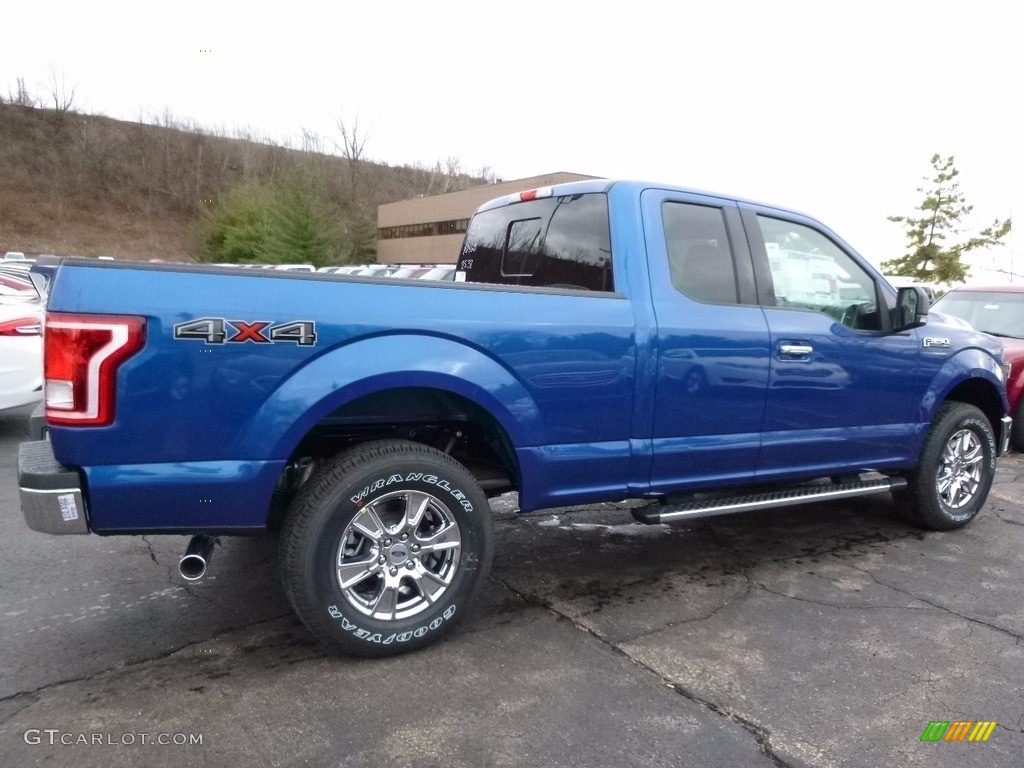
x=588, y=561
x=598, y=561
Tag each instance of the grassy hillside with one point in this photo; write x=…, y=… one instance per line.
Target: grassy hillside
x=89, y=185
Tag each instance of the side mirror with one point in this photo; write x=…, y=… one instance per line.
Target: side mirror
x=911, y=308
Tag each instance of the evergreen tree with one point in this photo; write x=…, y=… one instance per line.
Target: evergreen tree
x=280, y=222
x=936, y=249
x=234, y=231
x=301, y=228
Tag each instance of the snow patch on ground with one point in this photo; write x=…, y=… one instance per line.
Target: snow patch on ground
x=625, y=529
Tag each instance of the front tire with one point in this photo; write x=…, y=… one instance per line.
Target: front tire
x=955, y=470
x=384, y=548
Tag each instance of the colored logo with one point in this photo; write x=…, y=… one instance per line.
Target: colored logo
x=958, y=730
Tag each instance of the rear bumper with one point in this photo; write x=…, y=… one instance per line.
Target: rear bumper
x=51, y=494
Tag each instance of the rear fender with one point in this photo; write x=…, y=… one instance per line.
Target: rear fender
x=388, y=362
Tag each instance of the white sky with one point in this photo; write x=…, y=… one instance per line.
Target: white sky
x=833, y=109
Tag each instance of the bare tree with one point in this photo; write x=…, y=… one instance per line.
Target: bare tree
x=448, y=175
x=63, y=97
x=311, y=141
x=451, y=173
x=21, y=96
x=486, y=173
x=352, y=148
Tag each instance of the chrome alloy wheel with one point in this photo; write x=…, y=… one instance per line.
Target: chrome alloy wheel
x=959, y=475
x=399, y=555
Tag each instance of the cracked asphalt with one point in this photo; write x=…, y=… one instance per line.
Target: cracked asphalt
x=822, y=635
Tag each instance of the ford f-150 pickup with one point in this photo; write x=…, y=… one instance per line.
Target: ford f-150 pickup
x=603, y=341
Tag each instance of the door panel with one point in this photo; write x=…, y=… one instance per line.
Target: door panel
x=840, y=387
x=712, y=350
x=841, y=399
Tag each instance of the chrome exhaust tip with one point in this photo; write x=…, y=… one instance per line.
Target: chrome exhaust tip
x=196, y=559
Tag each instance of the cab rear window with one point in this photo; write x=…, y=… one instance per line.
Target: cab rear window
x=553, y=242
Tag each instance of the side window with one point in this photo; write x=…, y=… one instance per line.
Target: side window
x=551, y=242
x=699, y=257
x=811, y=272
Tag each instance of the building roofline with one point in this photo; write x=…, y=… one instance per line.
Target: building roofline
x=526, y=182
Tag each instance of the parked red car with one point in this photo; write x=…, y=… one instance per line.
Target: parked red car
x=998, y=310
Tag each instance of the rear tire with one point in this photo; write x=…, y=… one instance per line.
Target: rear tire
x=955, y=470
x=384, y=548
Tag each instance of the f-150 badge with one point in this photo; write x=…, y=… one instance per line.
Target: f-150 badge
x=934, y=341
x=217, y=330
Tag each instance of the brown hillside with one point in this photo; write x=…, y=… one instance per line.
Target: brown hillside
x=89, y=185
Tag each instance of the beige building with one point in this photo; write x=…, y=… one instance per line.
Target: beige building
x=429, y=230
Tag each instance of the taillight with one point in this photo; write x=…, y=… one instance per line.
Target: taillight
x=83, y=353
x=22, y=326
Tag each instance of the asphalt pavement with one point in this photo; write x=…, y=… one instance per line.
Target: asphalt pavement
x=823, y=635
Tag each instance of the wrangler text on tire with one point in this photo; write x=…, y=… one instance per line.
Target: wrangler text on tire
x=384, y=547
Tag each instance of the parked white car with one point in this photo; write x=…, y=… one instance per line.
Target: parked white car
x=440, y=272
x=21, y=353
x=294, y=267
x=15, y=284
x=410, y=272
x=377, y=270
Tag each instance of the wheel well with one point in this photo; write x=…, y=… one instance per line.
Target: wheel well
x=982, y=395
x=440, y=419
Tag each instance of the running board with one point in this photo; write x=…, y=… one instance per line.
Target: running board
x=656, y=513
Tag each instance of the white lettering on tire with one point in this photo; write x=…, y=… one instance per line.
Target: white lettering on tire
x=414, y=477
x=401, y=637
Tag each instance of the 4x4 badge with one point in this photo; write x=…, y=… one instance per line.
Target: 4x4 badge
x=217, y=330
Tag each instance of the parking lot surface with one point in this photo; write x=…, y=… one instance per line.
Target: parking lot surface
x=823, y=635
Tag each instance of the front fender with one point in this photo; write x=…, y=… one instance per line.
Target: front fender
x=387, y=362
x=967, y=365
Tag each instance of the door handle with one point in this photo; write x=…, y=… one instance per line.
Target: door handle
x=796, y=350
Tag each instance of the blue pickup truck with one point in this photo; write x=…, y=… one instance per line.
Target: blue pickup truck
x=602, y=341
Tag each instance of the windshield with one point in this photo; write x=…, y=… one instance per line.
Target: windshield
x=1001, y=314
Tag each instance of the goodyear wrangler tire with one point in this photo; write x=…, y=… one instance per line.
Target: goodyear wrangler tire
x=384, y=548
x=955, y=470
